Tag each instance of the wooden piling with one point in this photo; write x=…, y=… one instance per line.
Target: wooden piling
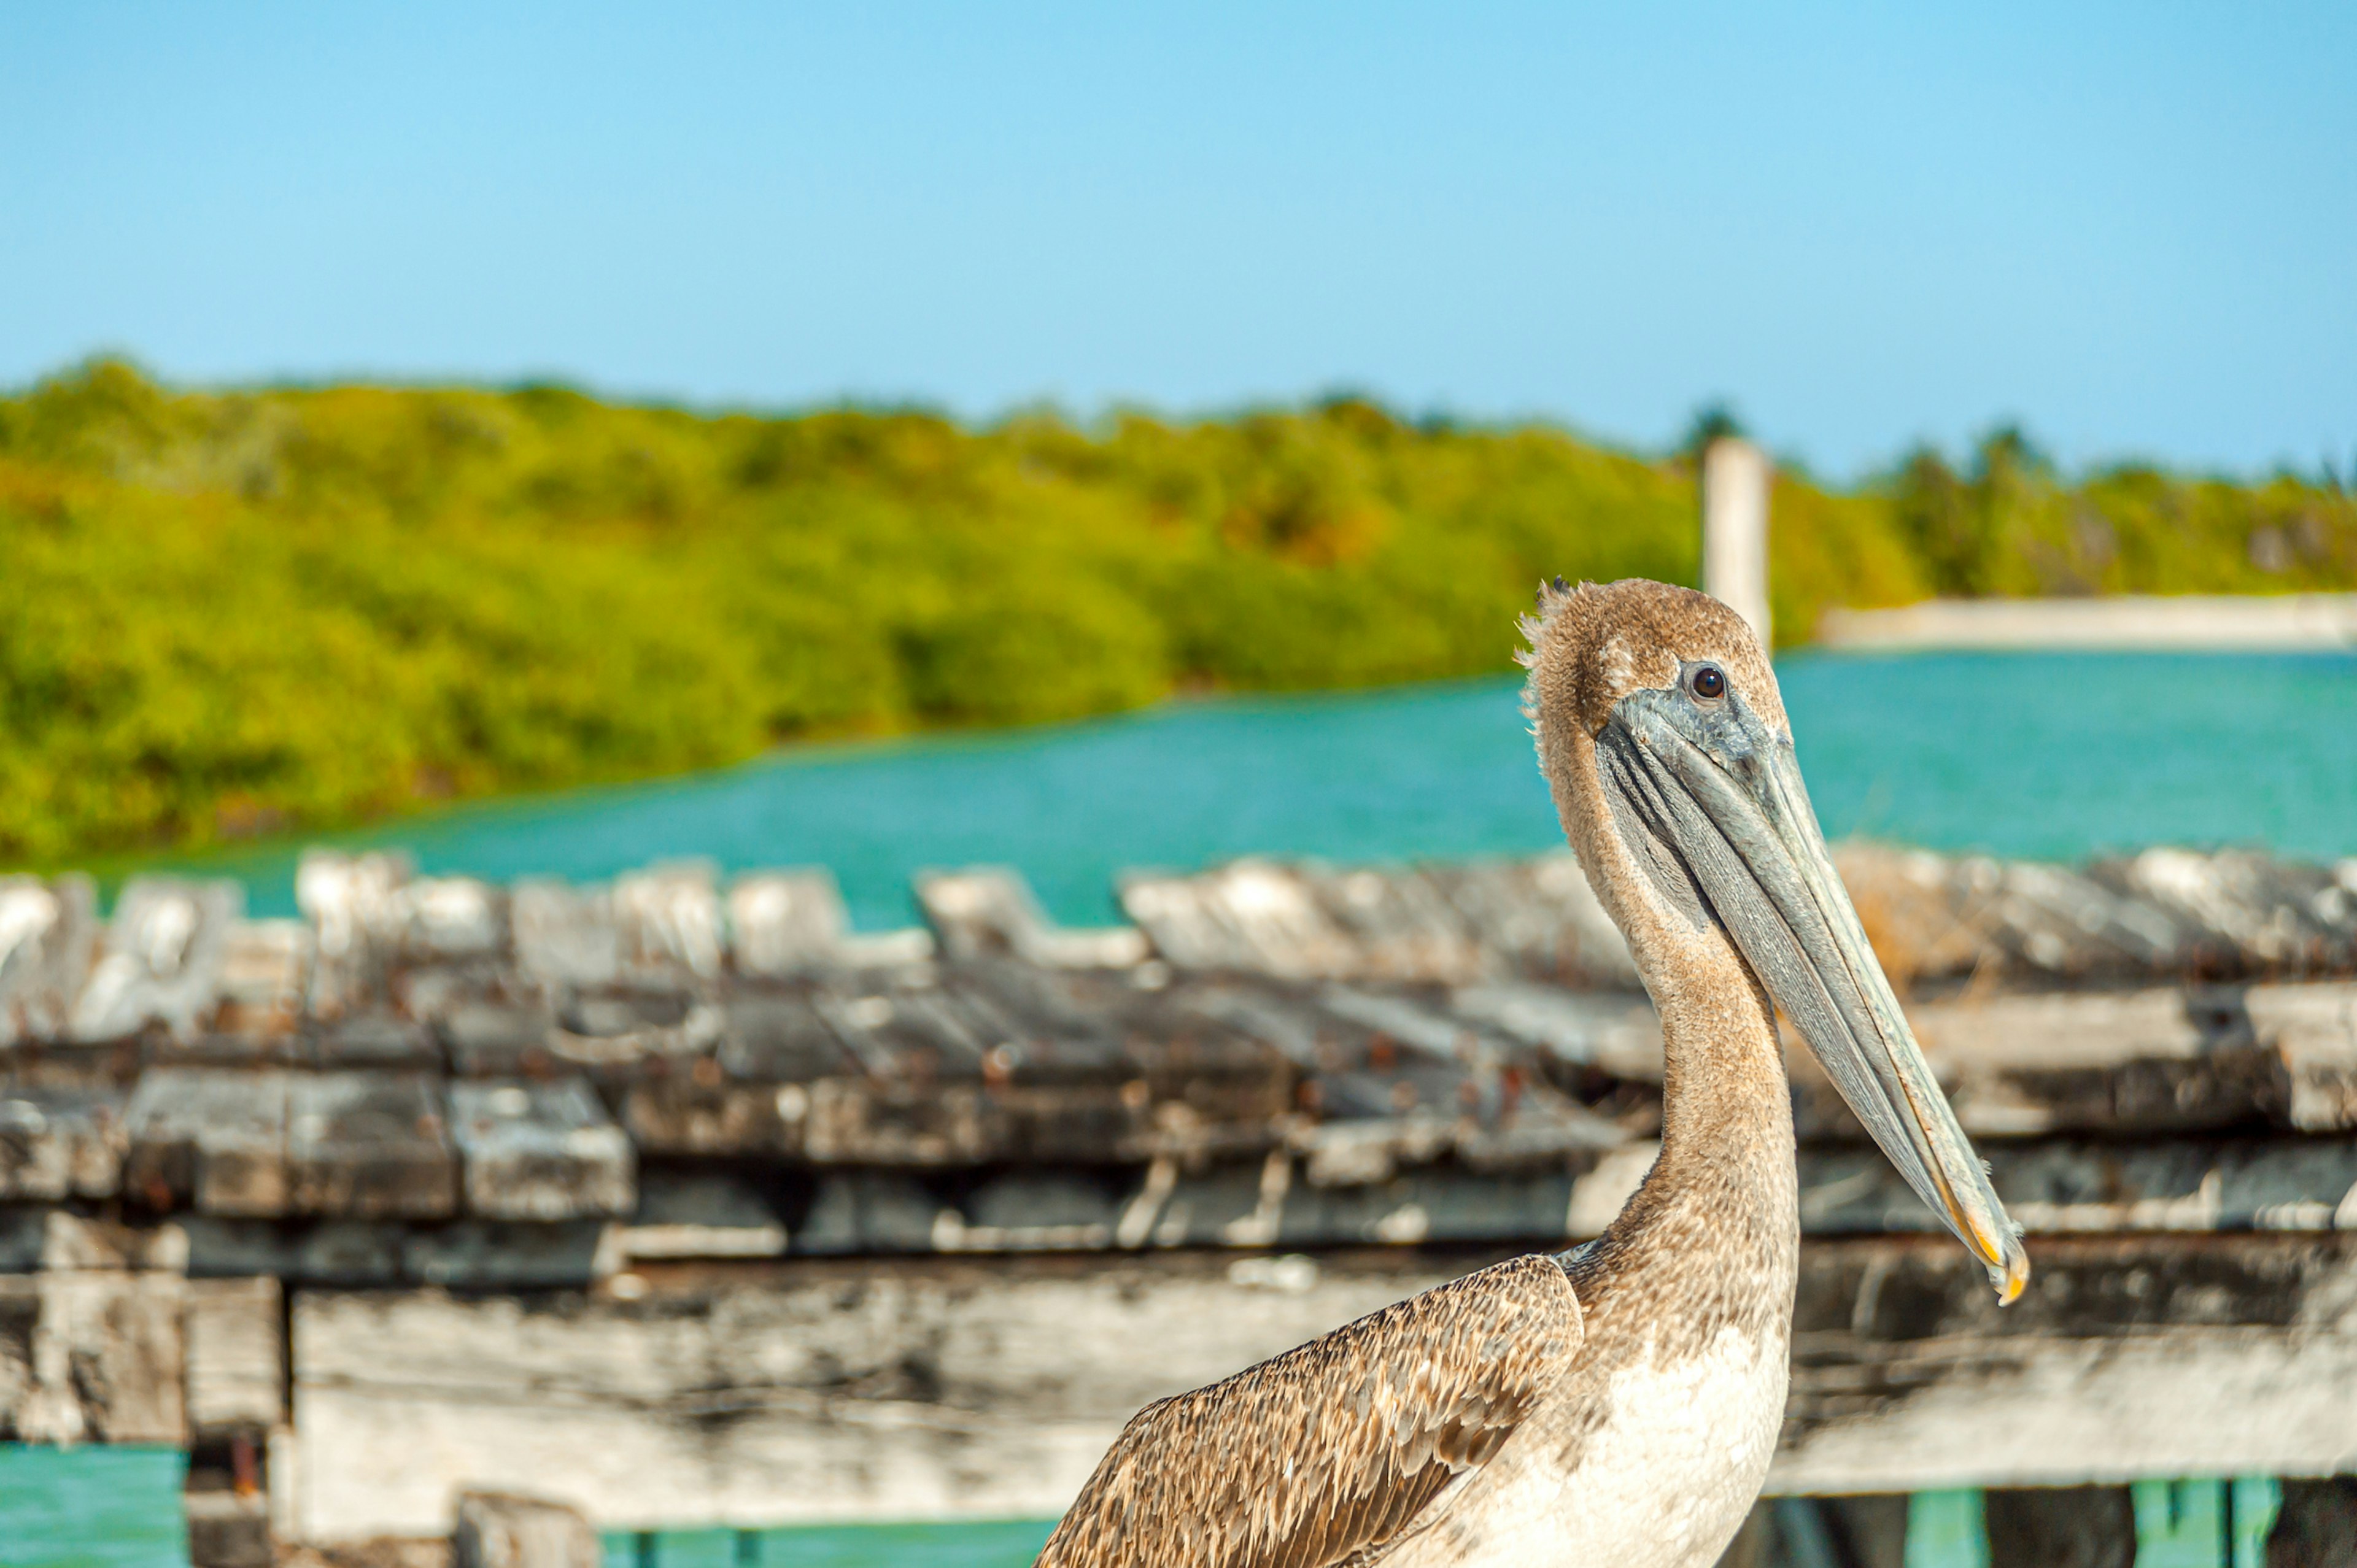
x=1735, y=475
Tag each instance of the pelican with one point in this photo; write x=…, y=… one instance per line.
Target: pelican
x=1614, y=1406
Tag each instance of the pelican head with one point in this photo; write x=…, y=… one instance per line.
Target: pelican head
x=1664, y=739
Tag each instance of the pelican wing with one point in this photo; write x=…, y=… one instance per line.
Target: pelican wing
x=1329, y=1451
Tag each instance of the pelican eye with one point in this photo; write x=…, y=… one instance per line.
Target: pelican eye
x=1708, y=681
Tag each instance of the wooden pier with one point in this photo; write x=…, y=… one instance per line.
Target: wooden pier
x=678, y=1201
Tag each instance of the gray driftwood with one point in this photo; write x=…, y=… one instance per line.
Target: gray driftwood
x=497, y=1530
x=980, y=1389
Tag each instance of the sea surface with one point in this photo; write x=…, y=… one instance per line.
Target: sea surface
x=2054, y=755
x=1010, y=1543
x=92, y=1508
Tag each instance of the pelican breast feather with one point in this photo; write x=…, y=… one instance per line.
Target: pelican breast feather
x=1321, y=1456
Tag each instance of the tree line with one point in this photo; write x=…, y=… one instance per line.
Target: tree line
x=224, y=614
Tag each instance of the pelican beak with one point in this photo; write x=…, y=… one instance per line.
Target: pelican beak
x=1709, y=796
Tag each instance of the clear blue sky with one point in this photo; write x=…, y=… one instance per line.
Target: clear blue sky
x=2134, y=227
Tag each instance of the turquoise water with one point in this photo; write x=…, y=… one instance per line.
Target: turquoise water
x=996, y=1544
x=2196, y=1524
x=2057, y=756
x=1944, y=1530
x=92, y=1508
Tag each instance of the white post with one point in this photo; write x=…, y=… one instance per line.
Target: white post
x=1735, y=530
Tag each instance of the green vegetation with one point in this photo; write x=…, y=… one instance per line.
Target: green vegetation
x=227, y=614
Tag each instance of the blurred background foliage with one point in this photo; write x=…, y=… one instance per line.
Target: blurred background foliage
x=228, y=614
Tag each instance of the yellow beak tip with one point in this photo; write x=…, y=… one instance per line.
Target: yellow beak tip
x=2007, y=1263
x=2012, y=1273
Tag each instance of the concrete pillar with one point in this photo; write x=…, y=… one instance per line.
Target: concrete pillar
x=1734, y=529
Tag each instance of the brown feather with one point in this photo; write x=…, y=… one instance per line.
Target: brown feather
x=1317, y=1456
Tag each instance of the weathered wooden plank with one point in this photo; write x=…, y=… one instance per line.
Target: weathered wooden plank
x=2161, y=1060
x=1389, y=1080
x=61, y=1143
x=2247, y=910
x=162, y=958
x=2312, y=1029
x=968, y=1388
x=212, y=1139
x=1095, y=1064
x=1253, y=916
x=2060, y=1187
x=565, y=937
x=783, y=924
x=1422, y=1065
x=369, y=1145
x=791, y=924
x=776, y=1035
x=1305, y=921
x=922, y=1100
x=668, y=917
x=235, y=1354
x=619, y=1035
x=922, y=1035
x=501, y=1531
x=2189, y=1187
x=854, y=1121
x=1931, y=918
x=1411, y=1211
x=1400, y=924
x=2157, y=1060
x=92, y=1356
x=2130, y=1357
x=541, y=1151
x=265, y=971
x=1038, y=1100
x=1616, y=1033
x=1538, y=919
x=988, y=911
x=352, y=903
x=445, y=919
x=1057, y=1084
x=499, y=1037
x=657, y=929
x=743, y=1414
x=2065, y=1186
x=750, y=1097
x=48, y=932
x=2164, y=913
x=374, y=1040
x=694, y=1113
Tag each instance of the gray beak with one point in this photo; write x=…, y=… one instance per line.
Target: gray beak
x=1709, y=798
